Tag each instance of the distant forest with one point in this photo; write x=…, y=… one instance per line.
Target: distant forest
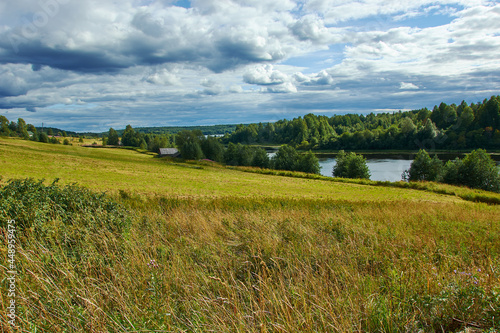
x=463, y=126
x=206, y=130
x=452, y=126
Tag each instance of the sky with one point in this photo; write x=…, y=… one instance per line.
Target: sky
x=88, y=65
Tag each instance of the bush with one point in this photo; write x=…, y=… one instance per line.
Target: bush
x=308, y=163
x=285, y=158
x=43, y=137
x=425, y=168
x=351, y=166
x=261, y=159
x=450, y=172
x=244, y=155
x=478, y=170
x=191, y=151
x=212, y=149
x=33, y=206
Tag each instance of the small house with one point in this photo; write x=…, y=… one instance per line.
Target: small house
x=170, y=152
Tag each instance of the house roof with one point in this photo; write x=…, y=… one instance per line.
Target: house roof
x=169, y=151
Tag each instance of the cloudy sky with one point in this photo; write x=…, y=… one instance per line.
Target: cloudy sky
x=88, y=65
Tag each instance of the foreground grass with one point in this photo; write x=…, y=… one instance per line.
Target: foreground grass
x=254, y=265
x=257, y=253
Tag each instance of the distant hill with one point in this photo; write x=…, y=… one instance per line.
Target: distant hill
x=207, y=130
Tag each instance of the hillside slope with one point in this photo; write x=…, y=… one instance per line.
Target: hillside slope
x=179, y=247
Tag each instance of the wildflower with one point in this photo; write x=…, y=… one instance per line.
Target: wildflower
x=152, y=264
x=479, y=269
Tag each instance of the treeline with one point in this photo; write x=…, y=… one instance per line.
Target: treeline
x=193, y=145
x=19, y=129
x=452, y=126
x=207, y=130
x=29, y=132
x=132, y=138
x=475, y=170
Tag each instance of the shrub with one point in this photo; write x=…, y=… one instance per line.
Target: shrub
x=212, y=149
x=451, y=173
x=351, y=166
x=43, y=137
x=33, y=205
x=285, y=158
x=191, y=151
x=425, y=168
x=308, y=163
x=260, y=158
x=478, y=170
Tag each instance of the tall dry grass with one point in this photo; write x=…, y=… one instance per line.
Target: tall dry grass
x=263, y=265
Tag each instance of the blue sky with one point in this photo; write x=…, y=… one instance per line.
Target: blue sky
x=91, y=65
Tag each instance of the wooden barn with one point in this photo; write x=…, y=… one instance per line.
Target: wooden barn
x=171, y=152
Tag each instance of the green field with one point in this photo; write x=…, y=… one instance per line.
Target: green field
x=198, y=247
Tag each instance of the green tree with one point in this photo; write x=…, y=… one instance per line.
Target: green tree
x=451, y=172
x=31, y=128
x=308, y=162
x=407, y=126
x=489, y=113
x=231, y=154
x=129, y=137
x=350, y=165
x=423, y=114
x=261, y=159
x=285, y=158
x=143, y=144
x=22, y=128
x=4, y=126
x=113, y=139
x=424, y=167
x=478, y=170
x=158, y=142
x=466, y=117
x=188, y=136
x=43, y=137
x=212, y=149
x=191, y=150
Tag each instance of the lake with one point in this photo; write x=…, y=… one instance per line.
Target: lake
x=384, y=166
x=380, y=168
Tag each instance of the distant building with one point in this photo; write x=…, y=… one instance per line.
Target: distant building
x=171, y=152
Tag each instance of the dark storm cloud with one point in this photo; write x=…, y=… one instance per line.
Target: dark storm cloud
x=38, y=55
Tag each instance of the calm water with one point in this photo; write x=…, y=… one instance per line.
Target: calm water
x=380, y=169
x=383, y=168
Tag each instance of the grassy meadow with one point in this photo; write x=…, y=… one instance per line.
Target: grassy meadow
x=197, y=247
